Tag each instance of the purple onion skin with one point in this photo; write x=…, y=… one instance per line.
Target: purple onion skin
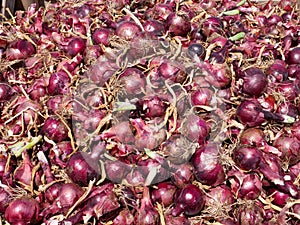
x=68, y=195
x=255, y=82
x=293, y=56
x=116, y=170
x=247, y=158
x=183, y=174
x=82, y=169
x=58, y=83
x=54, y=129
x=5, y=199
x=250, y=214
x=189, y=200
x=289, y=147
x=76, y=46
x=251, y=187
x=207, y=169
x=101, y=36
x=164, y=193
x=53, y=191
x=127, y=30
x=220, y=195
x=248, y=114
x=252, y=136
x=195, y=129
x=178, y=25
x=22, y=211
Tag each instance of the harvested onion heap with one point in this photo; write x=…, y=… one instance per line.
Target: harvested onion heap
x=151, y=112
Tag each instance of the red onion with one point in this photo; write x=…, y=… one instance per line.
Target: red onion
x=100, y=203
x=293, y=56
x=248, y=114
x=81, y=168
x=55, y=129
x=190, y=200
x=289, y=147
x=164, y=193
x=20, y=49
x=58, y=83
x=202, y=96
x=160, y=11
x=247, y=158
x=278, y=71
x=53, y=191
x=5, y=92
x=76, y=46
x=59, y=154
x=23, y=173
x=183, y=175
x=68, y=195
x=255, y=81
x=154, y=27
x=251, y=187
x=22, y=211
x=178, y=149
x=195, y=129
x=152, y=106
x=196, y=50
x=252, y=136
x=116, y=170
x=171, y=71
x=219, y=195
x=101, y=36
x=133, y=81
x=279, y=198
x=127, y=30
x=249, y=214
x=208, y=169
x=146, y=214
x=287, y=108
x=212, y=25
x=178, y=24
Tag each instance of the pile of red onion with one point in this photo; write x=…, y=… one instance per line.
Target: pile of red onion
x=157, y=112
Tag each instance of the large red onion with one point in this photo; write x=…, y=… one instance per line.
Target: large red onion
x=207, y=166
x=22, y=211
